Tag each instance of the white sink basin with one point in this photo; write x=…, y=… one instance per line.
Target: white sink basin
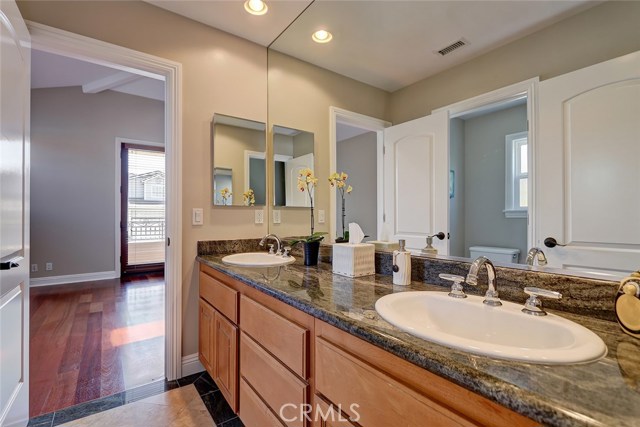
x=257, y=259
x=501, y=332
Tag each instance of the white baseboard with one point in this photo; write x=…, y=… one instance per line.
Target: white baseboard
x=72, y=278
x=191, y=365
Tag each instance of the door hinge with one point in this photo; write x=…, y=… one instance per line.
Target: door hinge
x=384, y=217
x=384, y=150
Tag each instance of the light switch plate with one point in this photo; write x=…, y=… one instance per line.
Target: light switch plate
x=321, y=216
x=259, y=216
x=48, y=266
x=276, y=217
x=198, y=216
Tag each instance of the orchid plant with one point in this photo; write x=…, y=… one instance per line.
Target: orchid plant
x=225, y=193
x=306, y=182
x=339, y=181
x=249, y=197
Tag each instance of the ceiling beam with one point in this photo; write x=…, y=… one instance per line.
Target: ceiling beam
x=109, y=82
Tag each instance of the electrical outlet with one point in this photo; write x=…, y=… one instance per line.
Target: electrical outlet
x=259, y=214
x=321, y=216
x=197, y=216
x=49, y=266
x=34, y=268
x=276, y=217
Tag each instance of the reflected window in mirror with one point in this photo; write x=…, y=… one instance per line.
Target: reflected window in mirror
x=239, y=161
x=293, y=150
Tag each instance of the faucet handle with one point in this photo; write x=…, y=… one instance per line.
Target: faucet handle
x=271, y=251
x=286, y=253
x=533, y=305
x=457, y=291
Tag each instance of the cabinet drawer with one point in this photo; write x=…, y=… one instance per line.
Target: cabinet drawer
x=281, y=337
x=275, y=384
x=253, y=411
x=327, y=415
x=220, y=296
x=377, y=399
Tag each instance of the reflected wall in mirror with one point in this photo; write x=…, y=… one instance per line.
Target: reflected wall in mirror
x=292, y=152
x=239, y=161
x=302, y=86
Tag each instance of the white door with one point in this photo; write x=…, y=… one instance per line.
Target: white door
x=15, y=60
x=416, y=181
x=589, y=167
x=292, y=168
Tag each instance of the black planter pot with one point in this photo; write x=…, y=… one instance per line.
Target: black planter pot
x=311, y=252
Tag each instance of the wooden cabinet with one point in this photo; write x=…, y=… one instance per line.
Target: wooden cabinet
x=277, y=366
x=218, y=346
x=389, y=390
x=226, y=359
x=206, y=335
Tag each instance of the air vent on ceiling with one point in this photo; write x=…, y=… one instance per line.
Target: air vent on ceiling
x=453, y=46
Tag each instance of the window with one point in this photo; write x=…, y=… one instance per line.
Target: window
x=517, y=176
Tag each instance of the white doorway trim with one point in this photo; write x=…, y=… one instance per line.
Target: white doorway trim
x=118, y=200
x=75, y=46
x=339, y=115
x=527, y=88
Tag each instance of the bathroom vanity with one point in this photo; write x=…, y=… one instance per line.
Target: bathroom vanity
x=277, y=339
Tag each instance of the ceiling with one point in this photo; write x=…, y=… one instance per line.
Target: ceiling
x=230, y=16
x=387, y=44
x=50, y=70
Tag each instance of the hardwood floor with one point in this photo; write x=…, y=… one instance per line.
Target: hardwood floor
x=94, y=339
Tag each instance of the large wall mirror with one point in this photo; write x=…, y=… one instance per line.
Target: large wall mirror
x=239, y=161
x=292, y=152
x=306, y=79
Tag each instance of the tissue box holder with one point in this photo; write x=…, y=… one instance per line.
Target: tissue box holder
x=354, y=260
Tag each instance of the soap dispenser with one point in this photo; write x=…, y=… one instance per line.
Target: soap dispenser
x=401, y=265
x=627, y=305
x=429, y=249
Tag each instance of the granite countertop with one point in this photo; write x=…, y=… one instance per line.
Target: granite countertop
x=602, y=393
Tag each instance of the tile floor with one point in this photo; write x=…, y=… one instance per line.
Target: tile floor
x=204, y=386
x=179, y=407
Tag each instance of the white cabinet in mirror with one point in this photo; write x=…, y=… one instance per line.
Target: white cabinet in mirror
x=293, y=150
x=238, y=148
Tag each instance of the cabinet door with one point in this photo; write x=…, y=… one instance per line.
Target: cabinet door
x=226, y=359
x=206, y=332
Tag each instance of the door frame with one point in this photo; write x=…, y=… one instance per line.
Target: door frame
x=54, y=40
x=528, y=88
x=339, y=115
x=118, y=193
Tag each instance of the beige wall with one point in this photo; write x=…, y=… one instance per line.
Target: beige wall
x=595, y=35
x=229, y=146
x=221, y=74
x=300, y=95
x=73, y=173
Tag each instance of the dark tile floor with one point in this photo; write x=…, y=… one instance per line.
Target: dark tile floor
x=220, y=411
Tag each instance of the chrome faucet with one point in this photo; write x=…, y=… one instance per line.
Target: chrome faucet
x=536, y=253
x=491, y=297
x=278, y=242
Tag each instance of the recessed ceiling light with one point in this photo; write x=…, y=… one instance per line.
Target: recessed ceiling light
x=255, y=7
x=322, y=36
